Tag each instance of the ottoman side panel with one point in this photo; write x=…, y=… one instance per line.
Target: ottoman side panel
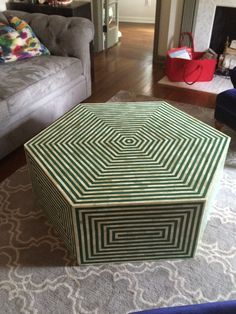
x=213, y=189
x=56, y=207
x=138, y=232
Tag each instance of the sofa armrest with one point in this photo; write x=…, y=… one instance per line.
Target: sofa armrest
x=63, y=36
x=233, y=76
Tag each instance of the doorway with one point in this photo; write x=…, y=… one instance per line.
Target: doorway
x=106, y=22
x=137, y=23
x=152, y=11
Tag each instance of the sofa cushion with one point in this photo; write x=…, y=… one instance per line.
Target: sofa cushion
x=25, y=82
x=225, y=110
x=11, y=43
x=33, y=45
x=223, y=307
x=18, y=41
x=233, y=77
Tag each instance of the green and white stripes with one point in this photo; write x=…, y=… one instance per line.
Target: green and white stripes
x=138, y=233
x=56, y=207
x=106, y=158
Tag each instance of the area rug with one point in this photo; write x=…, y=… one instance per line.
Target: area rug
x=37, y=274
x=217, y=85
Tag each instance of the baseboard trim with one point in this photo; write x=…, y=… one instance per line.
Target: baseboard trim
x=137, y=19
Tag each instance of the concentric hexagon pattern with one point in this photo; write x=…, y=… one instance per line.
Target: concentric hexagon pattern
x=137, y=178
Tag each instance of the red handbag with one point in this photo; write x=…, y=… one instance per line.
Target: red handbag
x=189, y=71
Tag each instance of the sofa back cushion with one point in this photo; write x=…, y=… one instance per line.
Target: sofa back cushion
x=18, y=41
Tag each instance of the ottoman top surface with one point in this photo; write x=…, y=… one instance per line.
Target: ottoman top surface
x=129, y=153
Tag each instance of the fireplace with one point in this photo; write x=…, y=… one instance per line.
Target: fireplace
x=204, y=20
x=224, y=28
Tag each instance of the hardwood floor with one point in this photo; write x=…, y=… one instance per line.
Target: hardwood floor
x=127, y=66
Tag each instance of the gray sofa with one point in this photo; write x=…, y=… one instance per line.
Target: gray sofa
x=36, y=91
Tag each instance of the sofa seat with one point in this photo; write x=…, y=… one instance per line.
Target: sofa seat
x=223, y=307
x=225, y=110
x=36, y=95
x=37, y=91
x=34, y=79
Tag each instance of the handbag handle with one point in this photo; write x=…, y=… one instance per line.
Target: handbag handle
x=190, y=36
x=200, y=72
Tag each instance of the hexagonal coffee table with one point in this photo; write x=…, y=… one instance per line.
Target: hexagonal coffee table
x=127, y=181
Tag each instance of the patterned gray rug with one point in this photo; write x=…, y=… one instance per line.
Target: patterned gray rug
x=37, y=275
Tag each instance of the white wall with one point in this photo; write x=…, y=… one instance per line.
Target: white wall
x=137, y=11
x=204, y=19
x=2, y=5
x=170, y=24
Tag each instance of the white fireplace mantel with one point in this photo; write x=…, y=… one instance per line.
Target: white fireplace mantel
x=203, y=21
x=2, y=5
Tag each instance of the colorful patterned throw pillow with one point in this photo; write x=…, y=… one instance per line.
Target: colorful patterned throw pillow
x=18, y=41
x=10, y=43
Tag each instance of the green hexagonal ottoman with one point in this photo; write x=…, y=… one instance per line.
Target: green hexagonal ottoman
x=127, y=181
